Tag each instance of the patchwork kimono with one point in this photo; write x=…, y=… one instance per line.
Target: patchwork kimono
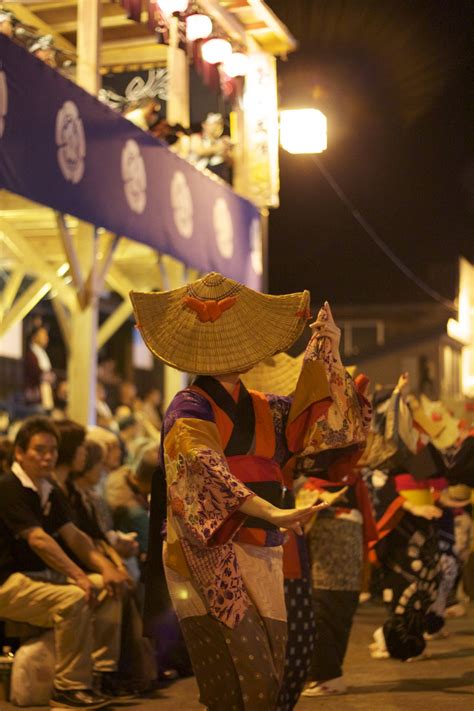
x=223, y=569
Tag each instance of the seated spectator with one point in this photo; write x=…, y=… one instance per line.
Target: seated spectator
x=6, y=455
x=38, y=373
x=137, y=661
x=44, y=48
x=7, y=20
x=110, y=441
x=127, y=491
x=61, y=395
x=143, y=113
x=151, y=407
x=42, y=585
x=81, y=487
x=127, y=394
x=129, y=430
x=103, y=412
x=107, y=375
x=72, y=458
x=212, y=149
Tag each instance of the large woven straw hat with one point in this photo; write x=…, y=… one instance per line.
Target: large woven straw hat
x=277, y=374
x=216, y=325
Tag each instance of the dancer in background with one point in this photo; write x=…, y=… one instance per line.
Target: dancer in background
x=405, y=509
x=338, y=542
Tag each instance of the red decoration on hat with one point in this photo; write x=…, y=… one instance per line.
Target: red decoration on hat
x=209, y=310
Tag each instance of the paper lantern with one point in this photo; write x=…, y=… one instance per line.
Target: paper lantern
x=236, y=65
x=216, y=50
x=198, y=26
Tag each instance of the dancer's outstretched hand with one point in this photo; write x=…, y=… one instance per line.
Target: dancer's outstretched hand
x=426, y=511
x=295, y=519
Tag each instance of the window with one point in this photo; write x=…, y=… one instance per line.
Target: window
x=451, y=385
x=361, y=336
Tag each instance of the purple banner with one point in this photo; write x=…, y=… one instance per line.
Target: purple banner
x=62, y=148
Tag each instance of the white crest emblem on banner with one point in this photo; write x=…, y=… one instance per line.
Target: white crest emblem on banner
x=3, y=101
x=256, y=254
x=71, y=142
x=223, y=228
x=134, y=176
x=182, y=205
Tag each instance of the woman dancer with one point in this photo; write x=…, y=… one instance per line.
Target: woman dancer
x=223, y=449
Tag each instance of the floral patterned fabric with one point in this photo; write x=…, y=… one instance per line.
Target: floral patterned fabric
x=349, y=415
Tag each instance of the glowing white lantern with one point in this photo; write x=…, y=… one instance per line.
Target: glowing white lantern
x=169, y=7
x=303, y=131
x=198, y=27
x=236, y=65
x=216, y=50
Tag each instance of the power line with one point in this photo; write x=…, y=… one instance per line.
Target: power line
x=378, y=240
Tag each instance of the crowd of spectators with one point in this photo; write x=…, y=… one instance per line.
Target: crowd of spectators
x=74, y=537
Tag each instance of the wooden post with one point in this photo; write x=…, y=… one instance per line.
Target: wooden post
x=177, y=106
x=172, y=276
x=82, y=364
x=88, y=45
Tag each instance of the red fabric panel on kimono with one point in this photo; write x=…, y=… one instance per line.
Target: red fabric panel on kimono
x=227, y=530
x=248, y=468
x=264, y=428
x=291, y=558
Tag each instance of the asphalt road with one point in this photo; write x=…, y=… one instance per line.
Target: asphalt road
x=445, y=682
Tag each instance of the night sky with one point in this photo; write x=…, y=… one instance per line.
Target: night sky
x=393, y=78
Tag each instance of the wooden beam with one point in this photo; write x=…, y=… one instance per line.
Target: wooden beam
x=274, y=24
x=88, y=45
x=119, y=20
x=119, y=282
x=30, y=18
x=27, y=256
x=82, y=361
x=114, y=321
x=173, y=272
x=7, y=296
x=229, y=23
x=104, y=259
x=139, y=51
x=55, y=5
x=63, y=320
x=71, y=254
x=24, y=304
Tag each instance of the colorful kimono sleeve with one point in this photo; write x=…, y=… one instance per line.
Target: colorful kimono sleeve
x=399, y=426
x=203, y=496
x=327, y=412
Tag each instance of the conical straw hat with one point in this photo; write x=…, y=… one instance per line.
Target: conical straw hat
x=216, y=325
x=277, y=374
x=444, y=430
